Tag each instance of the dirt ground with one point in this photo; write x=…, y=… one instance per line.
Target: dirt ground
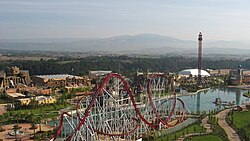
x=25, y=128
x=2, y=109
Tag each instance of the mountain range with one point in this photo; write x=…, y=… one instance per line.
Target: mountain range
x=127, y=44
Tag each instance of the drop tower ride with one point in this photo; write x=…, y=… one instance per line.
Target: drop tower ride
x=199, y=58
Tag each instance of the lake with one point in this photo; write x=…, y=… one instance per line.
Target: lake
x=203, y=101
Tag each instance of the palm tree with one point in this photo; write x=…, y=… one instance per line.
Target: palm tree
x=39, y=120
x=30, y=117
x=33, y=103
x=1, y=123
x=16, y=128
x=17, y=117
x=33, y=127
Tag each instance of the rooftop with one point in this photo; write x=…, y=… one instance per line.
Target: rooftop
x=57, y=76
x=38, y=98
x=15, y=95
x=99, y=73
x=193, y=72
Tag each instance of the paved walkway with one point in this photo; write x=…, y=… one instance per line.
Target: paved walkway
x=204, y=124
x=231, y=134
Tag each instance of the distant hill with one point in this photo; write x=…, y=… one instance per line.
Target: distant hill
x=126, y=44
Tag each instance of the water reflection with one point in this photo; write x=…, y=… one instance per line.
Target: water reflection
x=198, y=103
x=203, y=101
x=237, y=97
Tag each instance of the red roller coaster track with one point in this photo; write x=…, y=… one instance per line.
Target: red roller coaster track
x=165, y=122
x=140, y=115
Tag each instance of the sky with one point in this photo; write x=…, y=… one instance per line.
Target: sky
x=183, y=19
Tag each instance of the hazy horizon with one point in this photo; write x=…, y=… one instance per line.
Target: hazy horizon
x=115, y=36
x=217, y=20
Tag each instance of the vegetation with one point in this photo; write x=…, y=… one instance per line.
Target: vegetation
x=43, y=135
x=218, y=133
x=218, y=81
x=217, y=130
x=33, y=116
x=81, y=89
x=33, y=127
x=28, y=115
x=121, y=64
x=239, y=120
x=247, y=94
x=194, y=128
x=204, y=138
x=4, y=100
x=16, y=128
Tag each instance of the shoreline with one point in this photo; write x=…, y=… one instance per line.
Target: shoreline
x=192, y=93
x=246, y=95
x=186, y=94
x=244, y=87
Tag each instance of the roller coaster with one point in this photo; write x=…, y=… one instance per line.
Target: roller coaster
x=117, y=111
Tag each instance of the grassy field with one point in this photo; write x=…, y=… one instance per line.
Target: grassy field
x=242, y=123
x=241, y=119
x=204, y=138
x=49, y=110
x=196, y=128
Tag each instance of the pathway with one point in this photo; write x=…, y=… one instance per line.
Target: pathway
x=25, y=128
x=231, y=134
x=205, y=124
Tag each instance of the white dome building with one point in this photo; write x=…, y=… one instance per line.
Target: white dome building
x=193, y=72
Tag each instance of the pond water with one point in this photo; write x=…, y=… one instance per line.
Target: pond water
x=203, y=101
x=17, y=133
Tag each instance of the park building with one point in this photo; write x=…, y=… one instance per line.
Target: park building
x=98, y=74
x=25, y=98
x=13, y=77
x=219, y=72
x=193, y=73
x=14, y=95
x=60, y=80
x=239, y=76
x=39, y=99
x=189, y=77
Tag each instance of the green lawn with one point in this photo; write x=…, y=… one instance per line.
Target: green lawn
x=196, y=128
x=242, y=123
x=48, y=111
x=241, y=119
x=42, y=109
x=205, y=138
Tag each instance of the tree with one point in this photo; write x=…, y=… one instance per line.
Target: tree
x=1, y=123
x=33, y=103
x=16, y=128
x=30, y=117
x=33, y=127
x=17, y=117
x=38, y=121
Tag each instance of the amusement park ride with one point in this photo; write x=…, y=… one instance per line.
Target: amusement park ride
x=117, y=111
